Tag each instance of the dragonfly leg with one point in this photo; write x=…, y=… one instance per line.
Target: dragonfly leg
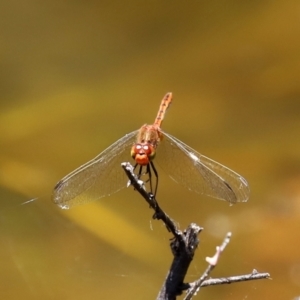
x=156, y=176
x=140, y=171
x=149, y=168
x=148, y=171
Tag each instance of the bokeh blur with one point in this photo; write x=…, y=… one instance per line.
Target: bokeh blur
x=77, y=75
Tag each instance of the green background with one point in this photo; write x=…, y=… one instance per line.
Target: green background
x=77, y=75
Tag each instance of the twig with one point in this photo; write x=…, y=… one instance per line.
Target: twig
x=159, y=213
x=227, y=280
x=183, y=244
x=212, y=263
x=224, y=280
x=201, y=282
x=183, y=247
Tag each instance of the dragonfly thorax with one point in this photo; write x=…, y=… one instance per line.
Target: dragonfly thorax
x=143, y=153
x=149, y=134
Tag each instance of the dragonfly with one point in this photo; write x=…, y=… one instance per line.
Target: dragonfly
x=103, y=175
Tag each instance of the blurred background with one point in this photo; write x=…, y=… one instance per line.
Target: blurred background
x=75, y=76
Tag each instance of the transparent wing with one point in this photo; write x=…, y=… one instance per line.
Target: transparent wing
x=199, y=173
x=97, y=178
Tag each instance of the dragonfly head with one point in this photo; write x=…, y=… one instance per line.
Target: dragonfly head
x=143, y=153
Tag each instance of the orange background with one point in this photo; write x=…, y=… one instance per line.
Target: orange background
x=77, y=75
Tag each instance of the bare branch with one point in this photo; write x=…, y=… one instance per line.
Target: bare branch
x=183, y=246
x=227, y=280
x=212, y=263
x=159, y=213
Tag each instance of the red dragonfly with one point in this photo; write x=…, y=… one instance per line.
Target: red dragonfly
x=103, y=175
